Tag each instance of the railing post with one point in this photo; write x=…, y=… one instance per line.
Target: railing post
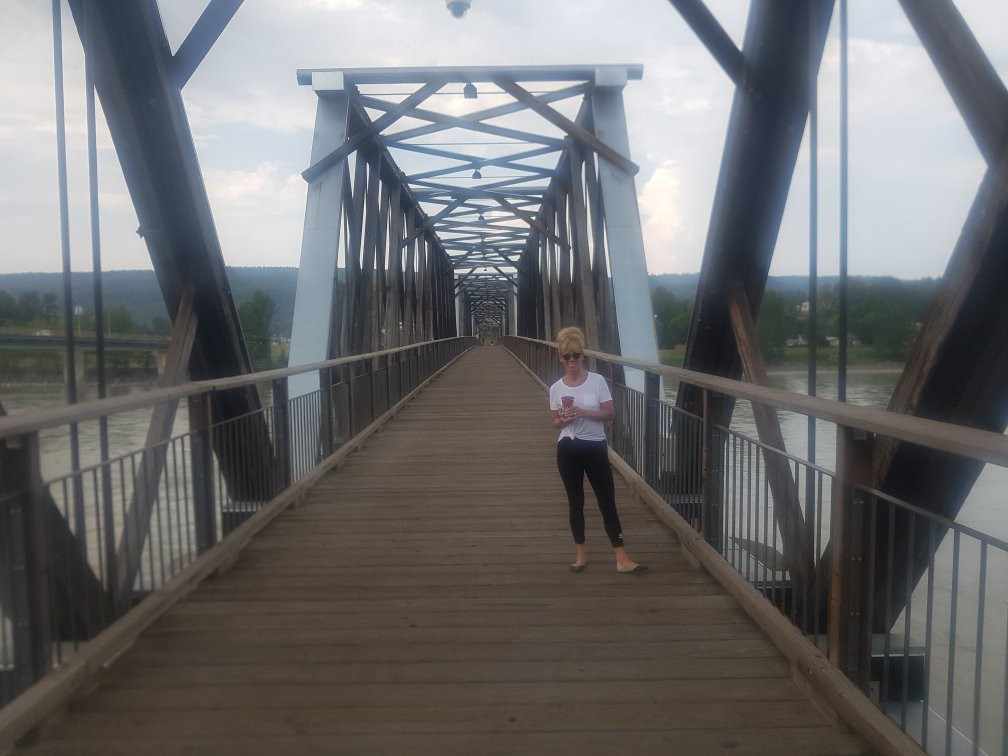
x=849, y=632
x=282, y=432
x=652, y=387
x=200, y=424
x=325, y=412
x=24, y=542
x=711, y=461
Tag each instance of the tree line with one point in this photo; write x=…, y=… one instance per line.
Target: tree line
x=34, y=310
x=884, y=315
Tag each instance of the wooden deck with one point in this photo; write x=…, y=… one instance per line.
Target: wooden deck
x=419, y=602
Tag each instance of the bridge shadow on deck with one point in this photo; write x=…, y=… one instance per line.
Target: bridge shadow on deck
x=419, y=601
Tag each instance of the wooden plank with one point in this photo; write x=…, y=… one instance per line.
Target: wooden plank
x=427, y=605
x=50, y=694
x=502, y=739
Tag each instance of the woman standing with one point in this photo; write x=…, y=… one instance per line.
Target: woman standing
x=580, y=402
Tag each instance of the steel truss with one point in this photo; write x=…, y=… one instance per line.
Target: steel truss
x=958, y=367
x=517, y=217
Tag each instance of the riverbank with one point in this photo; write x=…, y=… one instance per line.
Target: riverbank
x=794, y=360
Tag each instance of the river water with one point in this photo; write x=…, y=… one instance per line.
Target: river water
x=985, y=510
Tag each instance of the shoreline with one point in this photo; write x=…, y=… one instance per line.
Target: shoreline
x=886, y=367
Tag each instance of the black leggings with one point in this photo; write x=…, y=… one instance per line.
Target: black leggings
x=575, y=457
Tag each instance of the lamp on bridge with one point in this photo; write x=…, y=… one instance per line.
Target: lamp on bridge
x=469, y=91
x=477, y=174
x=458, y=8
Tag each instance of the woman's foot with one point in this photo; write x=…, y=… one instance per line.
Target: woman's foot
x=625, y=563
x=580, y=558
x=631, y=567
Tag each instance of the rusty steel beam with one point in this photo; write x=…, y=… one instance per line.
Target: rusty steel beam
x=958, y=366
x=134, y=76
x=761, y=148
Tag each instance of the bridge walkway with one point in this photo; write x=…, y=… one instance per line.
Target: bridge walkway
x=419, y=601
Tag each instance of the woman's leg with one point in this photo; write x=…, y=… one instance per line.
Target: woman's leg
x=571, y=469
x=601, y=479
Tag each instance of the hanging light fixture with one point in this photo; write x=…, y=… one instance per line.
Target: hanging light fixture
x=477, y=174
x=481, y=218
x=469, y=91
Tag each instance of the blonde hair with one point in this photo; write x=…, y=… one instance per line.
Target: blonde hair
x=570, y=339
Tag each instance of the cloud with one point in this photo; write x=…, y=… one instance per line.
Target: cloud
x=662, y=219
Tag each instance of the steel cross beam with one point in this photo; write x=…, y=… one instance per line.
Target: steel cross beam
x=761, y=148
x=957, y=370
x=135, y=79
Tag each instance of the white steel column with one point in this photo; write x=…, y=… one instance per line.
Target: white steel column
x=313, y=303
x=627, y=263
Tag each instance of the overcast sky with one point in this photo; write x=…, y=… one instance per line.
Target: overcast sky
x=914, y=169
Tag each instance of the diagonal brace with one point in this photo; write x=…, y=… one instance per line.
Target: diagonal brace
x=714, y=37
x=205, y=32
x=564, y=123
x=314, y=171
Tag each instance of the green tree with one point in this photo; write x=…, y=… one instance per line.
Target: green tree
x=50, y=310
x=29, y=306
x=777, y=322
x=8, y=308
x=672, y=318
x=160, y=326
x=119, y=319
x=256, y=317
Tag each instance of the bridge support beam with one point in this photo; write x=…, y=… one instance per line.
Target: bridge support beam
x=627, y=264
x=25, y=565
x=134, y=76
x=765, y=130
x=958, y=366
x=317, y=286
x=787, y=509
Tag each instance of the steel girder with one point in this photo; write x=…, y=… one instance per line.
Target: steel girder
x=135, y=78
x=765, y=130
x=957, y=371
x=480, y=233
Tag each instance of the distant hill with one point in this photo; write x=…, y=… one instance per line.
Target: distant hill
x=137, y=290
x=684, y=285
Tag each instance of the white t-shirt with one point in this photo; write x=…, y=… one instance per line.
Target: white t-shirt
x=589, y=395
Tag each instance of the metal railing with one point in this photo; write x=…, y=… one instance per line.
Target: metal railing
x=79, y=549
x=832, y=554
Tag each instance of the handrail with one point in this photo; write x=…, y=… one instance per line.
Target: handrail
x=28, y=422
x=843, y=576
x=955, y=439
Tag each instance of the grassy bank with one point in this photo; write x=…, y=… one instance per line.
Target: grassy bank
x=796, y=358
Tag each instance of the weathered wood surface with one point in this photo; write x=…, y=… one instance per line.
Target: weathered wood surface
x=420, y=602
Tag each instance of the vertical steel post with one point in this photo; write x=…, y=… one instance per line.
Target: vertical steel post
x=200, y=425
x=634, y=316
x=849, y=630
x=842, y=282
x=282, y=433
x=652, y=442
x=23, y=538
x=710, y=471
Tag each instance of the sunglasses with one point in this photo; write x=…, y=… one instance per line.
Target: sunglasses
x=571, y=356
